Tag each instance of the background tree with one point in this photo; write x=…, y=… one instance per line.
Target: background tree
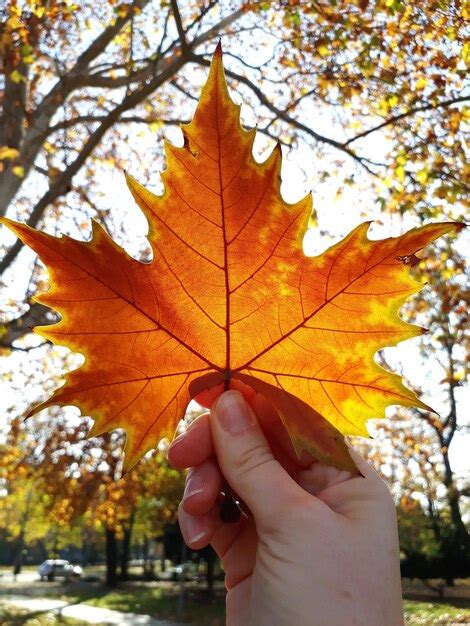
x=146, y=497
x=373, y=89
x=22, y=501
x=56, y=485
x=420, y=460
x=36, y=501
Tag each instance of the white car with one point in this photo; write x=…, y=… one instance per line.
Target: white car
x=60, y=568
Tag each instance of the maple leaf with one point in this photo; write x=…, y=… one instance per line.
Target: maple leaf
x=229, y=294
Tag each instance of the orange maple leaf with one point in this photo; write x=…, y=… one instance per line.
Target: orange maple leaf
x=229, y=295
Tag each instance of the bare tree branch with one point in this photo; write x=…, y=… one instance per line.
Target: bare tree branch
x=36, y=315
x=40, y=119
x=184, y=91
x=202, y=13
x=167, y=68
x=179, y=26
x=62, y=182
x=363, y=161
x=293, y=104
x=128, y=119
x=397, y=118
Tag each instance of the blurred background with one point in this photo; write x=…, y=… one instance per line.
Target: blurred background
x=369, y=100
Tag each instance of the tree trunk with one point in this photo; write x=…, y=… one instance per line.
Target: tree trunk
x=86, y=548
x=210, y=560
x=18, y=561
x=453, y=495
x=145, y=556
x=125, y=549
x=454, y=505
x=111, y=558
x=182, y=591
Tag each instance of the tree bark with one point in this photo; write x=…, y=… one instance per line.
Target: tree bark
x=210, y=560
x=453, y=495
x=453, y=498
x=125, y=549
x=111, y=558
x=18, y=561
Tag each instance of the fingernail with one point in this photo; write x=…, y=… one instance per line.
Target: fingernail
x=176, y=441
x=233, y=412
x=194, y=485
x=195, y=529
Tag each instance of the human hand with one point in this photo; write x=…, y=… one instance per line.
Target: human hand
x=320, y=547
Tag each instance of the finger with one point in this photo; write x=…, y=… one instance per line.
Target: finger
x=238, y=559
x=246, y=459
x=225, y=534
x=198, y=530
x=203, y=486
x=194, y=446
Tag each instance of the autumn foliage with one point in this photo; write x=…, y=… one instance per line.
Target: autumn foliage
x=229, y=295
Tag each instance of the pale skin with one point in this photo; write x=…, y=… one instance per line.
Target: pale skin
x=319, y=546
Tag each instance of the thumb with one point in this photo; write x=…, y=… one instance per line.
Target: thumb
x=246, y=460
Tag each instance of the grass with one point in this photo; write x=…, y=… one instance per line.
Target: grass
x=435, y=613
x=160, y=602
x=13, y=616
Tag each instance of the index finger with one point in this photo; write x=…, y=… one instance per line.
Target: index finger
x=194, y=446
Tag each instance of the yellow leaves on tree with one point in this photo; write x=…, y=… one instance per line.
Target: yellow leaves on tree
x=229, y=295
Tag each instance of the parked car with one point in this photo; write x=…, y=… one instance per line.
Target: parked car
x=60, y=568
